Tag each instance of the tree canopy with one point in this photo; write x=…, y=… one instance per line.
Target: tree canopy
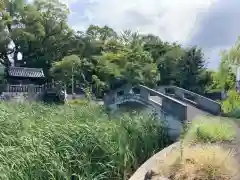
x=101, y=57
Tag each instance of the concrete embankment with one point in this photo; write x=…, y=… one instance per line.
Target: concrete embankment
x=153, y=162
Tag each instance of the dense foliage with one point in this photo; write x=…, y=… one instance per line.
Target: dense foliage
x=74, y=142
x=227, y=76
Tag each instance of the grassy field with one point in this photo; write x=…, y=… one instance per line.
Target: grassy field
x=82, y=142
x=74, y=142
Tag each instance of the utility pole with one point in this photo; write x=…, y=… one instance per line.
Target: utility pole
x=72, y=81
x=238, y=80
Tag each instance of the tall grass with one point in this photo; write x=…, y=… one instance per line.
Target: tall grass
x=74, y=142
x=206, y=129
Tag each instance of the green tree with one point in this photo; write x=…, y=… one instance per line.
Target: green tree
x=232, y=103
x=212, y=81
x=168, y=65
x=232, y=56
x=190, y=69
x=165, y=55
x=66, y=69
x=101, y=33
x=10, y=11
x=139, y=68
x=126, y=64
x=43, y=36
x=226, y=75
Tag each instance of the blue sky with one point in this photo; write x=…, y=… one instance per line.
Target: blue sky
x=211, y=24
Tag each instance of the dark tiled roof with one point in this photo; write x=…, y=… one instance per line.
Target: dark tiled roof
x=25, y=72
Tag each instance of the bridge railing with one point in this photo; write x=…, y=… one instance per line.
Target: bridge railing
x=195, y=99
x=173, y=111
x=169, y=105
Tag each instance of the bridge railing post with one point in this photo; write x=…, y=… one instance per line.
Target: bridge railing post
x=144, y=93
x=127, y=89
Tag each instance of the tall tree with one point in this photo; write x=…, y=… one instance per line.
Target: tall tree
x=232, y=56
x=190, y=69
x=10, y=11
x=127, y=63
x=66, y=69
x=43, y=36
x=169, y=64
x=165, y=55
x=40, y=32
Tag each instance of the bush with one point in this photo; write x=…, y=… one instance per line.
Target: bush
x=74, y=142
x=232, y=103
x=210, y=129
x=52, y=96
x=235, y=113
x=201, y=162
x=83, y=102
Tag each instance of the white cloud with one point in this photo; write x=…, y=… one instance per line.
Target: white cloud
x=67, y=2
x=172, y=20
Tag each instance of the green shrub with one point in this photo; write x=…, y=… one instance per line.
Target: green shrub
x=232, y=103
x=74, y=142
x=83, y=102
x=235, y=113
x=52, y=96
x=210, y=129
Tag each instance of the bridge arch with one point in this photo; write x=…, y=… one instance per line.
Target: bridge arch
x=135, y=101
x=132, y=100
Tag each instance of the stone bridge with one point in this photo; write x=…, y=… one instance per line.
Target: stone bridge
x=172, y=104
